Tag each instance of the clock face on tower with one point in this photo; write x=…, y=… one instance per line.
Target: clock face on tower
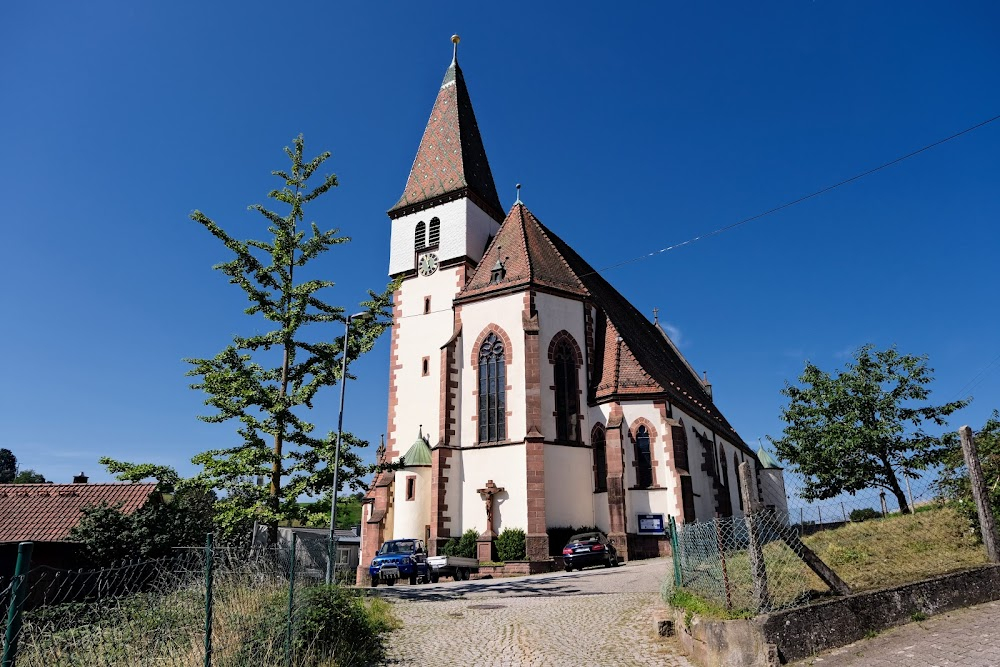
x=428, y=264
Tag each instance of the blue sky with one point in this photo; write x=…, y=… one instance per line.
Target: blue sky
x=630, y=131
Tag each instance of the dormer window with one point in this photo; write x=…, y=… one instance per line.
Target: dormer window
x=498, y=273
x=420, y=237
x=435, y=233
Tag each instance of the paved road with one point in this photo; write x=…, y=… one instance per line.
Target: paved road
x=963, y=638
x=598, y=616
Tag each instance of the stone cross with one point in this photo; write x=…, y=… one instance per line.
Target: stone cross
x=487, y=494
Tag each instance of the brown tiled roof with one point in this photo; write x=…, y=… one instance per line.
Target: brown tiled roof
x=634, y=356
x=48, y=512
x=451, y=159
x=524, y=246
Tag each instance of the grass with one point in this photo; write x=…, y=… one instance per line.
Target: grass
x=693, y=604
x=899, y=549
x=877, y=553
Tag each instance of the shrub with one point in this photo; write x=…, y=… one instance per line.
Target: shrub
x=337, y=623
x=510, y=544
x=465, y=547
x=864, y=514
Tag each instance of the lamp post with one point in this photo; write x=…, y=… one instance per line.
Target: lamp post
x=332, y=544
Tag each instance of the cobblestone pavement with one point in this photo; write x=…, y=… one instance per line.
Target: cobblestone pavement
x=962, y=638
x=598, y=616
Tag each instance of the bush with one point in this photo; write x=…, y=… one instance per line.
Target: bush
x=864, y=514
x=337, y=623
x=510, y=544
x=465, y=547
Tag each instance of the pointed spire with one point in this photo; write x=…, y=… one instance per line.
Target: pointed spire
x=451, y=160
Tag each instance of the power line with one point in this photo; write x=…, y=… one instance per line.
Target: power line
x=793, y=202
x=978, y=378
x=771, y=211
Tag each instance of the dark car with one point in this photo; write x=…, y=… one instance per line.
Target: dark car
x=589, y=549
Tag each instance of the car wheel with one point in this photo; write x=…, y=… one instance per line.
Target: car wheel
x=390, y=582
x=434, y=576
x=569, y=568
x=608, y=562
x=413, y=578
x=374, y=582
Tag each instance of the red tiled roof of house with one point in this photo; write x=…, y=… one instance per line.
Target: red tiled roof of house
x=48, y=512
x=451, y=160
x=633, y=355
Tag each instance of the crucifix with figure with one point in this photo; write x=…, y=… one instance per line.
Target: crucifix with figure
x=487, y=493
x=484, y=545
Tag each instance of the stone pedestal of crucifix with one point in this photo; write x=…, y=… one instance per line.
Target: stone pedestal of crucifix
x=484, y=545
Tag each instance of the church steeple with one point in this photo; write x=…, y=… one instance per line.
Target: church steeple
x=451, y=161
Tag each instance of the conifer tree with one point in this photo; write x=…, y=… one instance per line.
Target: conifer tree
x=267, y=381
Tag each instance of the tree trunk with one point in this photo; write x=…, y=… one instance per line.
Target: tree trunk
x=897, y=491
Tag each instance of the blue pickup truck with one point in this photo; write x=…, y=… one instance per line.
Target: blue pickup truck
x=398, y=559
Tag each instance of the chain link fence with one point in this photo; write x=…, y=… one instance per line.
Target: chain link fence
x=867, y=540
x=198, y=607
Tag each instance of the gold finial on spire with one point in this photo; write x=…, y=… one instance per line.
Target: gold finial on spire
x=455, y=39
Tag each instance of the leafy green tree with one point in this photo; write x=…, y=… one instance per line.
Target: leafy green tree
x=29, y=476
x=266, y=381
x=862, y=428
x=348, y=511
x=8, y=466
x=954, y=480
x=180, y=513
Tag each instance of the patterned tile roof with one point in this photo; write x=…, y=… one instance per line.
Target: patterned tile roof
x=451, y=160
x=524, y=247
x=636, y=357
x=48, y=512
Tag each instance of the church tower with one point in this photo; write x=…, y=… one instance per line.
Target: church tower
x=441, y=225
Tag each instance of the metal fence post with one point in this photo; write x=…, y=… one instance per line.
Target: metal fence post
x=18, y=593
x=722, y=558
x=209, y=575
x=986, y=522
x=758, y=567
x=291, y=602
x=675, y=545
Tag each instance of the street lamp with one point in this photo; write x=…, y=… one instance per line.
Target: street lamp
x=332, y=545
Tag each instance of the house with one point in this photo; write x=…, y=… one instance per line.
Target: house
x=312, y=547
x=45, y=514
x=525, y=391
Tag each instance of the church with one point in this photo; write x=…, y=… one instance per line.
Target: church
x=524, y=390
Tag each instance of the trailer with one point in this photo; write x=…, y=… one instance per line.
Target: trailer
x=456, y=567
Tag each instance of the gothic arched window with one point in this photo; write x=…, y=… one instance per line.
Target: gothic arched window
x=739, y=487
x=492, y=390
x=598, y=441
x=420, y=238
x=726, y=504
x=644, y=459
x=567, y=392
x=434, y=236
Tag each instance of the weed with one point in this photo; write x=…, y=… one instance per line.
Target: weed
x=918, y=616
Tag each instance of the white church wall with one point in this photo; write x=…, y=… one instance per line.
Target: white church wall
x=412, y=516
x=464, y=231
x=479, y=229
x=568, y=486
x=506, y=466
x=505, y=312
x=701, y=483
x=602, y=515
x=559, y=314
x=419, y=336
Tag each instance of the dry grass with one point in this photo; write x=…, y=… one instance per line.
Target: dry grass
x=899, y=549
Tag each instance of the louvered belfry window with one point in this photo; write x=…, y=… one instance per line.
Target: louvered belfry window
x=567, y=392
x=644, y=470
x=435, y=233
x=420, y=237
x=492, y=391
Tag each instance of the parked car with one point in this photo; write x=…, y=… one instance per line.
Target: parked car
x=397, y=559
x=589, y=549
